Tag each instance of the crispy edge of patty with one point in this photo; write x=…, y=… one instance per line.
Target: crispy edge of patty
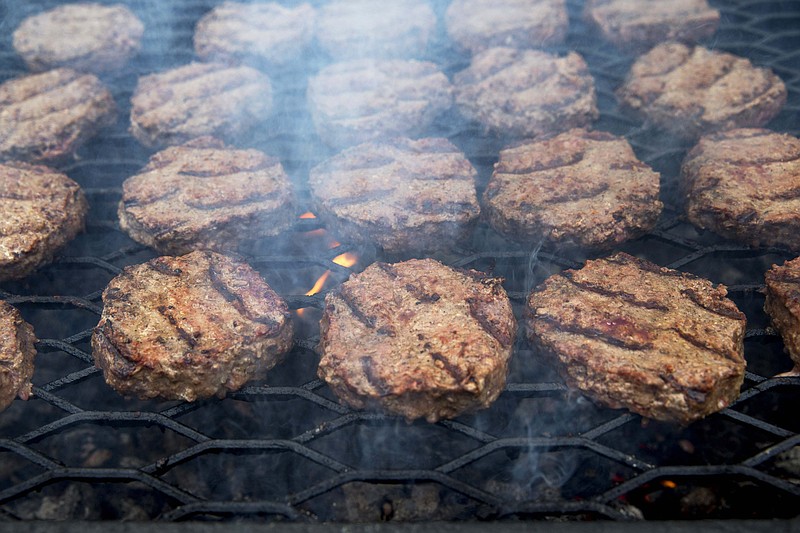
x=782, y=304
x=17, y=352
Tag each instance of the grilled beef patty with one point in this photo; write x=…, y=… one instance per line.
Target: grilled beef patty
x=691, y=90
x=41, y=210
x=405, y=195
x=189, y=327
x=198, y=99
x=45, y=117
x=783, y=305
x=367, y=99
x=641, y=24
x=348, y=29
x=203, y=194
x=89, y=37
x=579, y=188
x=17, y=352
x=628, y=333
x=476, y=25
x=526, y=93
x=260, y=33
x=745, y=185
x=417, y=339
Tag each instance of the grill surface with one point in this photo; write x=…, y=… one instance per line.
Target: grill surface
x=286, y=450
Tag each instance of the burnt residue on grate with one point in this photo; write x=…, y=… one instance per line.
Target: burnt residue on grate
x=285, y=449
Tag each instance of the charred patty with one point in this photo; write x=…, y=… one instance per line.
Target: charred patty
x=628, y=333
x=691, y=90
x=45, y=117
x=204, y=194
x=17, y=352
x=580, y=188
x=402, y=194
x=189, y=327
x=783, y=304
x=417, y=339
x=41, y=210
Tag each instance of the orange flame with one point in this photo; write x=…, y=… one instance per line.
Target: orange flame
x=669, y=484
x=319, y=284
x=308, y=214
x=346, y=259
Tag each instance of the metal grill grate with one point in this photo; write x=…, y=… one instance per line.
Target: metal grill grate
x=286, y=450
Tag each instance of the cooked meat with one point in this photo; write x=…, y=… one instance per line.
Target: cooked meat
x=628, y=333
x=189, y=327
x=476, y=25
x=526, y=93
x=366, y=99
x=691, y=90
x=41, y=210
x=417, y=339
x=89, y=37
x=17, y=352
x=177, y=105
x=406, y=196
x=203, y=194
x=260, y=33
x=783, y=304
x=46, y=117
x=364, y=28
x=641, y=24
x=745, y=185
x=579, y=188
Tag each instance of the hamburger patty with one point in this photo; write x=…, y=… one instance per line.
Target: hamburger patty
x=526, y=93
x=404, y=195
x=199, y=99
x=88, y=37
x=417, y=339
x=41, y=210
x=203, y=194
x=476, y=25
x=348, y=29
x=628, y=333
x=691, y=90
x=17, y=352
x=267, y=33
x=783, y=305
x=745, y=185
x=579, y=188
x=46, y=117
x=189, y=327
x=641, y=24
x=367, y=99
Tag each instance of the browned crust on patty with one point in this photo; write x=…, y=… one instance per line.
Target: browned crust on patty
x=628, y=333
x=417, y=339
x=402, y=194
x=367, y=99
x=197, y=99
x=526, y=93
x=641, y=24
x=745, y=185
x=204, y=194
x=691, y=90
x=41, y=210
x=17, y=351
x=349, y=29
x=579, y=188
x=783, y=304
x=45, y=117
x=264, y=33
x=89, y=37
x=476, y=25
x=189, y=327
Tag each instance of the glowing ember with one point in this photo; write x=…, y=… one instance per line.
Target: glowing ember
x=319, y=284
x=346, y=259
x=669, y=484
x=334, y=244
x=308, y=214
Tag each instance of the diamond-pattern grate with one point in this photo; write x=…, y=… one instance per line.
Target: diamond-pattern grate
x=285, y=449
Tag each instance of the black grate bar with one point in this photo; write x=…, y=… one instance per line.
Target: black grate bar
x=772, y=451
x=65, y=347
x=754, y=422
x=69, y=379
x=234, y=508
x=29, y=454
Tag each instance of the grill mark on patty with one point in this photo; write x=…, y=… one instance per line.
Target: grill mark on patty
x=421, y=294
x=622, y=295
x=221, y=204
x=432, y=207
x=572, y=196
x=187, y=337
x=478, y=312
x=360, y=199
x=216, y=173
x=505, y=167
x=390, y=270
x=375, y=381
x=453, y=370
x=692, y=394
x=163, y=268
x=122, y=365
x=761, y=161
x=133, y=202
x=210, y=89
x=698, y=342
x=711, y=306
x=16, y=108
x=629, y=343
x=351, y=304
x=219, y=285
x=791, y=194
x=683, y=62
